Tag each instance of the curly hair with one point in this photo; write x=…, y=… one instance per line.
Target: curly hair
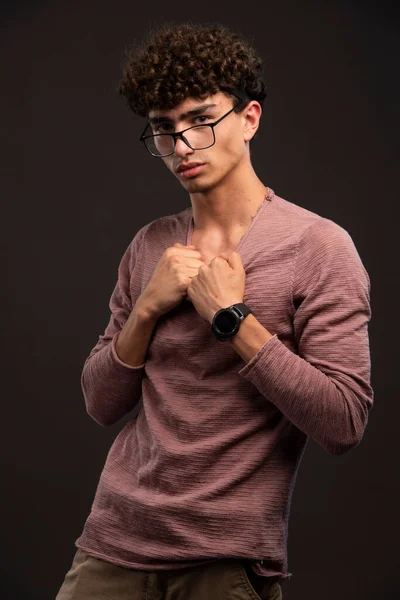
x=178, y=61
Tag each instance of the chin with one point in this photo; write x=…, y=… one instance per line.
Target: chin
x=204, y=184
x=195, y=186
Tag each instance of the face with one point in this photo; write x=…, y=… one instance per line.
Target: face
x=232, y=135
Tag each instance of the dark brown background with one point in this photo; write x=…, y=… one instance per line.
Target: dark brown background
x=76, y=186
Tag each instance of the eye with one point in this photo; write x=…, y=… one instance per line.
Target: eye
x=201, y=117
x=162, y=128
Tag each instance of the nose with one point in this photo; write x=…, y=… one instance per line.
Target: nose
x=181, y=148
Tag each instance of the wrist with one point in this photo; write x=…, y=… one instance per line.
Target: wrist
x=145, y=310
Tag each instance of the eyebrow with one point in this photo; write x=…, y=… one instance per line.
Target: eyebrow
x=189, y=113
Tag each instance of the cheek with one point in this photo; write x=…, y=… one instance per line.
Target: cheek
x=230, y=152
x=168, y=162
x=231, y=143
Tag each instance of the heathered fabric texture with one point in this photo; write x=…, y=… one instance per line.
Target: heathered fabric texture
x=206, y=470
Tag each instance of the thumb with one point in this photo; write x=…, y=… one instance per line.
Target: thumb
x=233, y=259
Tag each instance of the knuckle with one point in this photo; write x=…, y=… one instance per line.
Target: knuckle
x=175, y=260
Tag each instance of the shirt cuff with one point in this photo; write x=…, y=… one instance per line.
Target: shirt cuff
x=116, y=357
x=269, y=346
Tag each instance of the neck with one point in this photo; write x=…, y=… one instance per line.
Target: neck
x=228, y=208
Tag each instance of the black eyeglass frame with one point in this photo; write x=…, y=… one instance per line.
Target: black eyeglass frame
x=179, y=134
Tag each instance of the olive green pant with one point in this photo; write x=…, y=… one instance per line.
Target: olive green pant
x=228, y=579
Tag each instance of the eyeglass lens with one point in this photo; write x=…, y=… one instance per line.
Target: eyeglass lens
x=198, y=138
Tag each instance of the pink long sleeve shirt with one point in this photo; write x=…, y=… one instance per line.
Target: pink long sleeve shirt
x=206, y=469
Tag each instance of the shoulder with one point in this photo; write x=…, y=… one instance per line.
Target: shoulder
x=324, y=238
x=310, y=229
x=326, y=253
x=157, y=235
x=294, y=222
x=162, y=228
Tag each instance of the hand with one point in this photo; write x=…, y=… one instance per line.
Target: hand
x=217, y=285
x=172, y=275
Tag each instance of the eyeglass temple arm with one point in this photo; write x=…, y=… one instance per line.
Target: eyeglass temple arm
x=144, y=131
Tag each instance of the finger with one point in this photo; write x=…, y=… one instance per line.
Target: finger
x=236, y=259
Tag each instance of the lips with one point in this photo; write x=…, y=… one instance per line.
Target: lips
x=186, y=166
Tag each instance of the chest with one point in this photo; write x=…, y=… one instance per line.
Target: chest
x=210, y=248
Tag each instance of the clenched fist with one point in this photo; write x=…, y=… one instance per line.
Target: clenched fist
x=171, y=278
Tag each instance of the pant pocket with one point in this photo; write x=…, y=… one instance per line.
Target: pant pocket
x=257, y=587
x=69, y=584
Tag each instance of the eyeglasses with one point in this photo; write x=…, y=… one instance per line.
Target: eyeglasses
x=198, y=137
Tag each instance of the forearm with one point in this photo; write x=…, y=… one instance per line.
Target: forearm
x=250, y=338
x=133, y=341
x=112, y=377
x=331, y=411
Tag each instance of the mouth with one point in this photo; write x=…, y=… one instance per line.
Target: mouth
x=190, y=170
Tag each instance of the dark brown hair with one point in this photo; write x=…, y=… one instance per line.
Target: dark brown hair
x=178, y=61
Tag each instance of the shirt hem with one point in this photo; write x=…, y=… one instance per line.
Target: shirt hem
x=279, y=575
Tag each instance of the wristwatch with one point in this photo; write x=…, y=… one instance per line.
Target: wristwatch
x=226, y=321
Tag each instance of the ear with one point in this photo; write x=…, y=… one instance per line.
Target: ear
x=251, y=114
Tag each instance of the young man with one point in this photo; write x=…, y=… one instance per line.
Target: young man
x=243, y=323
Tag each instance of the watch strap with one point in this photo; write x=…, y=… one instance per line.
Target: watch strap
x=241, y=309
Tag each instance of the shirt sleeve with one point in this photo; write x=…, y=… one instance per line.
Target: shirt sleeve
x=325, y=388
x=112, y=388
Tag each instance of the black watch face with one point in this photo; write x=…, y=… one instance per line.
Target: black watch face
x=226, y=321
